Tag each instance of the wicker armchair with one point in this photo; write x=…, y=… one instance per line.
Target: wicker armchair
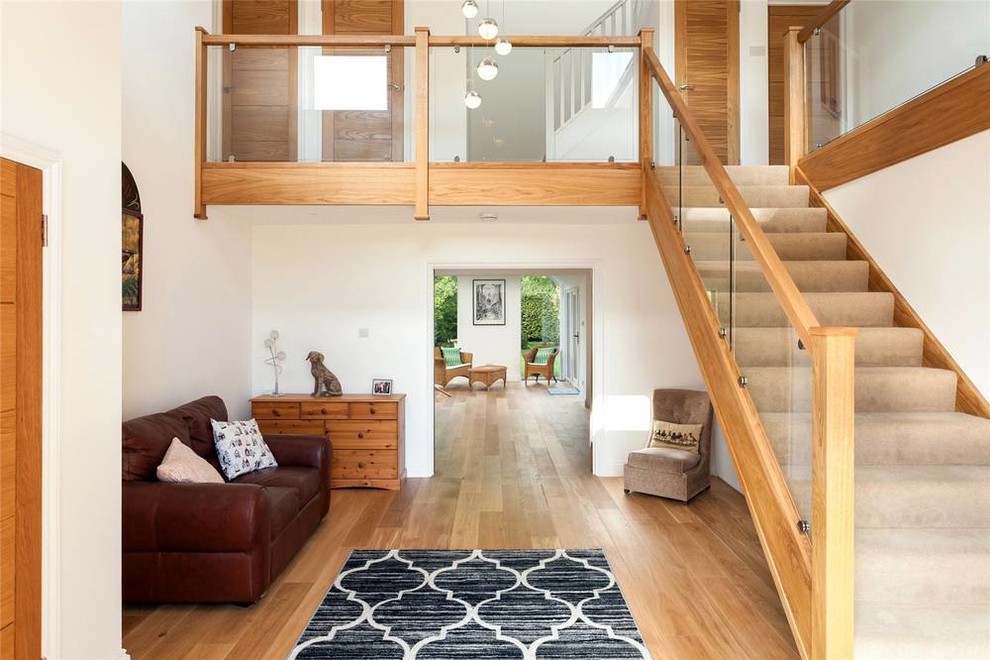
x=442, y=374
x=534, y=369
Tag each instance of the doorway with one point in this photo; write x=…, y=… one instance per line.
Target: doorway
x=706, y=47
x=20, y=408
x=570, y=334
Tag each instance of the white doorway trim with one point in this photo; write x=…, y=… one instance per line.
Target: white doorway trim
x=597, y=321
x=570, y=334
x=50, y=164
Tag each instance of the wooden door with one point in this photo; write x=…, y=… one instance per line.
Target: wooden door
x=361, y=135
x=779, y=18
x=707, y=69
x=260, y=97
x=20, y=410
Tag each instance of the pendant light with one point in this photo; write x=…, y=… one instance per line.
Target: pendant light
x=487, y=69
x=503, y=46
x=472, y=100
x=469, y=8
x=488, y=29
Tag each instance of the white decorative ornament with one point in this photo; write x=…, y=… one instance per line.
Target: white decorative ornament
x=472, y=100
x=271, y=343
x=488, y=28
x=469, y=8
x=503, y=46
x=487, y=69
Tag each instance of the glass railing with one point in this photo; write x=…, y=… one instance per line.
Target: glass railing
x=543, y=104
x=872, y=57
x=301, y=104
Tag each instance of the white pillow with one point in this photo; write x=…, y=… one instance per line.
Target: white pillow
x=182, y=465
x=240, y=447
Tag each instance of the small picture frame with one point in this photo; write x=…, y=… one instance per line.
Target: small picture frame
x=489, y=302
x=381, y=386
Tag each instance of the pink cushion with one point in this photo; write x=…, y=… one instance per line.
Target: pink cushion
x=182, y=465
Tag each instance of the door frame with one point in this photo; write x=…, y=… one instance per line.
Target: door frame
x=732, y=68
x=571, y=311
x=50, y=164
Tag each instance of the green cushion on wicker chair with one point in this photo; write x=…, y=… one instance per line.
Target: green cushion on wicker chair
x=451, y=355
x=542, y=355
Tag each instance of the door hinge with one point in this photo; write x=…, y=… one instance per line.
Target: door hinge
x=44, y=231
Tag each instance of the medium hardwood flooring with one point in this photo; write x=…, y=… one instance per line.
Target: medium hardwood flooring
x=513, y=471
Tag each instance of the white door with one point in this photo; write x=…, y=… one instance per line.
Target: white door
x=570, y=339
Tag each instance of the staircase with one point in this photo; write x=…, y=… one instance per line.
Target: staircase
x=922, y=581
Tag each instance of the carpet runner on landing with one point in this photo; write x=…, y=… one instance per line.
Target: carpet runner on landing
x=473, y=604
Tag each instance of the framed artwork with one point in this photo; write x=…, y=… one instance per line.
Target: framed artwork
x=132, y=243
x=381, y=386
x=489, y=302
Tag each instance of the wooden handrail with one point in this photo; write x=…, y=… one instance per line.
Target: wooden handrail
x=790, y=298
x=821, y=19
x=406, y=41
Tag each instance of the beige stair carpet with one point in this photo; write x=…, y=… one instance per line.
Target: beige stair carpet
x=923, y=470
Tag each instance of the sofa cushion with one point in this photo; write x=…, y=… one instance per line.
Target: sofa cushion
x=285, y=507
x=145, y=441
x=241, y=448
x=675, y=436
x=183, y=465
x=305, y=480
x=663, y=459
x=197, y=415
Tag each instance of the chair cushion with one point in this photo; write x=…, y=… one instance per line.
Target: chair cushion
x=304, y=480
x=542, y=355
x=675, y=436
x=285, y=507
x=663, y=459
x=451, y=355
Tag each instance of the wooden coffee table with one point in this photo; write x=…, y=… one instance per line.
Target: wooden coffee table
x=487, y=374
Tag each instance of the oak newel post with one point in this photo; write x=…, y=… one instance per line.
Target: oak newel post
x=794, y=114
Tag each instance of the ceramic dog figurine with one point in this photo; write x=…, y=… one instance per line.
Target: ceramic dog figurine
x=325, y=380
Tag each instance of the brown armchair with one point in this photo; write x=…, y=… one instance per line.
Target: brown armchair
x=674, y=473
x=534, y=369
x=442, y=374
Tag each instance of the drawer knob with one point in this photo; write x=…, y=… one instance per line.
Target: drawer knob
x=275, y=413
x=323, y=411
x=372, y=410
x=361, y=465
x=361, y=434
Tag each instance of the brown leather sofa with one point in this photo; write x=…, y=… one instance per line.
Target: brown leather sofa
x=200, y=543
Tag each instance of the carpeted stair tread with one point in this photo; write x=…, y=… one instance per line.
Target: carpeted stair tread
x=835, y=276
x=954, y=632
x=857, y=309
x=875, y=347
x=878, y=389
x=771, y=220
x=802, y=246
x=761, y=196
x=741, y=175
x=890, y=438
x=923, y=566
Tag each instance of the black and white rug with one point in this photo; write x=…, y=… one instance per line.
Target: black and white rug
x=473, y=605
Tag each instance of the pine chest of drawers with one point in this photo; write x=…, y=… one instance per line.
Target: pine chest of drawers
x=366, y=433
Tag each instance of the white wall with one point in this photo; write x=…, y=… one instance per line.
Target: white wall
x=754, y=104
x=491, y=344
x=60, y=89
x=927, y=223
x=890, y=48
x=640, y=342
x=192, y=337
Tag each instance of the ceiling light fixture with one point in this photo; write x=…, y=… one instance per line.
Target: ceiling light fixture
x=503, y=46
x=469, y=8
x=487, y=69
x=472, y=100
x=488, y=28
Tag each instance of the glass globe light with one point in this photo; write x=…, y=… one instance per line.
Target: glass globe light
x=469, y=8
x=503, y=46
x=488, y=28
x=472, y=100
x=487, y=70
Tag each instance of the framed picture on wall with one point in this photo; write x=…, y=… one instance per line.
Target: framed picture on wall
x=489, y=302
x=132, y=243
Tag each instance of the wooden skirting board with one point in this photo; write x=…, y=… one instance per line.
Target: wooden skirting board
x=450, y=184
x=968, y=397
x=950, y=112
x=770, y=503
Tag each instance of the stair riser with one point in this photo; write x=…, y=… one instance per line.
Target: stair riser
x=770, y=220
x=943, y=578
x=779, y=389
x=782, y=197
x=871, y=309
x=875, y=347
x=714, y=246
x=810, y=276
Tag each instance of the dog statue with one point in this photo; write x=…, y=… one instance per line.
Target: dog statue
x=325, y=379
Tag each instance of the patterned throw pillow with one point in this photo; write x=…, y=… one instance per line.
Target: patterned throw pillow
x=542, y=355
x=240, y=447
x=182, y=465
x=451, y=355
x=675, y=436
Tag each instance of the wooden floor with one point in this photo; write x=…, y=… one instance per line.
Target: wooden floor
x=513, y=471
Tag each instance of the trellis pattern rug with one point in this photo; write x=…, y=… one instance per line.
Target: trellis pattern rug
x=473, y=605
